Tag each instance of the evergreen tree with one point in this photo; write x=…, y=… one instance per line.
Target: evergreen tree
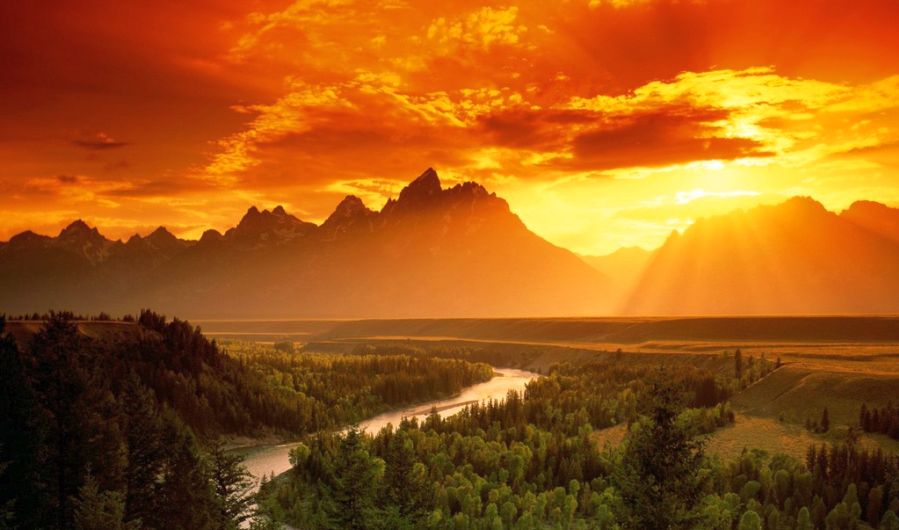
x=233, y=486
x=25, y=491
x=750, y=521
x=60, y=381
x=186, y=498
x=354, y=482
x=658, y=476
x=825, y=420
x=875, y=506
x=96, y=510
x=819, y=512
x=145, y=451
x=890, y=521
x=804, y=519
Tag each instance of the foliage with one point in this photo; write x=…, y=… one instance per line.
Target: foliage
x=658, y=473
x=529, y=461
x=102, y=431
x=884, y=420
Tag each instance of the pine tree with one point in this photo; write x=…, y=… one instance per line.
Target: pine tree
x=890, y=521
x=658, y=476
x=59, y=383
x=825, y=420
x=354, y=482
x=750, y=521
x=819, y=512
x=875, y=506
x=804, y=519
x=143, y=435
x=96, y=510
x=186, y=500
x=24, y=427
x=233, y=486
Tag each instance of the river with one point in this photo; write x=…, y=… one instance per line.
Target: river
x=274, y=458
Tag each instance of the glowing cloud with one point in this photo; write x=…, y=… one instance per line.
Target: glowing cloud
x=580, y=113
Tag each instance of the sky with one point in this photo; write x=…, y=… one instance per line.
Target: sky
x=604, y=123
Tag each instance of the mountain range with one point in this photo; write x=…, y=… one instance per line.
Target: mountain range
x=460, y=252
x=431, y=251
x=791, y=258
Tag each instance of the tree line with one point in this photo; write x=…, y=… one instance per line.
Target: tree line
x=530, y=462
x=123, y=431
x=883, y=420
x=527, y=461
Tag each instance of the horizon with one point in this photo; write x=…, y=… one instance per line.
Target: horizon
x=270, y=209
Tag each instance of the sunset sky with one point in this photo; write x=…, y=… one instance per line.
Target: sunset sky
x=604, y=123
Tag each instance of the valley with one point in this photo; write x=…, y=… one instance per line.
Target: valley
x=329, y=411
x=264, y=461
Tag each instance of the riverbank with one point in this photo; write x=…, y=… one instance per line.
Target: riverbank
x=267, y=460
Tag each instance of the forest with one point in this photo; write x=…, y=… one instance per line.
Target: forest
x=884, y=420
x=129, y=431
x=126, y=431
x=530, y=462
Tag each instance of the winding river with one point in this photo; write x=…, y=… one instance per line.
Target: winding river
x=274, y=458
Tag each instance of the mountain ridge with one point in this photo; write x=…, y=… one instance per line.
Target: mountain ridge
x=456, y=251
x=461, y=252
x=795, y=257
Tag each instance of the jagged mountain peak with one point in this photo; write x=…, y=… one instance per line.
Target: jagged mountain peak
x=428, y=179
x=273, y=226
x=426, y=193
x=161, y=233
x=350, y=206
x=423, y=189
x=257, y=217
x=452, y=252
x=76, y=228
x=350, y=213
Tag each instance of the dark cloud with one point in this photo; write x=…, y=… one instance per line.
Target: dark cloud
x=67, y=179
x=158, y=188
x=99, y=142
x=657, y=138
x=117, y=166
x=529, y=129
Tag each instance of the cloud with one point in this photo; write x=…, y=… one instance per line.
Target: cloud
x=67, y=179
x=155, y=188
x=660, y=137
x=340, y=130
x=98, y=142
x=298, y=101
x=482, y=28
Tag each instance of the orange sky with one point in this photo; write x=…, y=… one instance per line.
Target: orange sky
x=605, y=123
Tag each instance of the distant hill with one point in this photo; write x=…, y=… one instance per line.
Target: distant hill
x=794, y=257
x=875, y=217
x=429, y=252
